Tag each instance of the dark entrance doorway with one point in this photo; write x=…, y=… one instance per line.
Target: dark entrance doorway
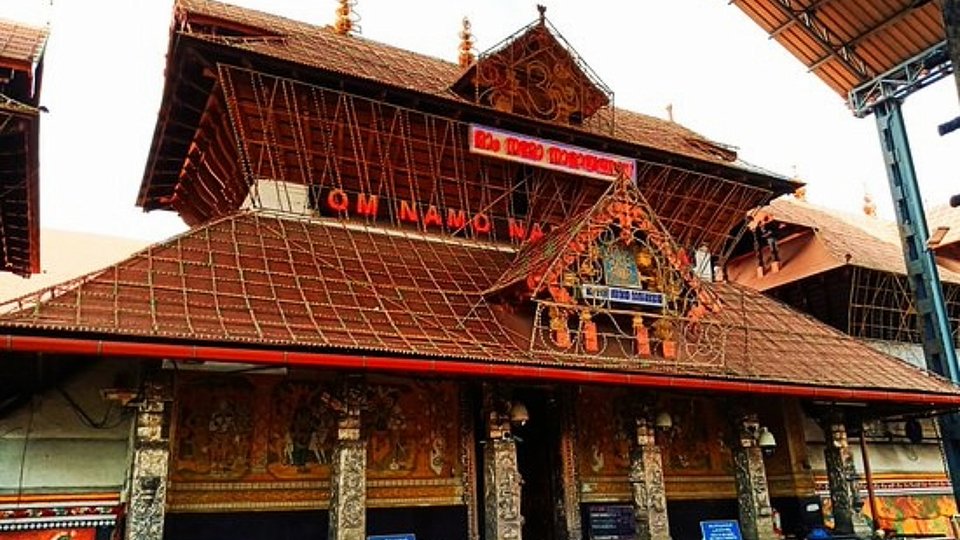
x=538, y=458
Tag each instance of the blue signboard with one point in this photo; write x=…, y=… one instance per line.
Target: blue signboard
x=611, y=522
x=623, y=295
x=401, y=536
x=727, y=529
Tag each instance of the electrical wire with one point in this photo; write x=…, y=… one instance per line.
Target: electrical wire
x=23, y=453
x=86, y=419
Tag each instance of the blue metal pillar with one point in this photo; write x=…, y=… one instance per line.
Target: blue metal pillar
x=938, y=346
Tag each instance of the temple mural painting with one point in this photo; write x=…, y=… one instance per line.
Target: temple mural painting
x=227, y=424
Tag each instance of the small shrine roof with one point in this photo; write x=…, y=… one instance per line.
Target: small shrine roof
x=355, y=56
x=21, y=46
x=256, y=279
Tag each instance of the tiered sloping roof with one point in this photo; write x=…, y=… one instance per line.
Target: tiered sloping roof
x=355, y=56
x=265, y=280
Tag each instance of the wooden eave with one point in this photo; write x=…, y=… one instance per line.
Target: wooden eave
x=802, y=256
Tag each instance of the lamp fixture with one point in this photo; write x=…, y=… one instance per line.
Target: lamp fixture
x=663, y=420
x=761, y=436
x=766, y=441
x=519, y=415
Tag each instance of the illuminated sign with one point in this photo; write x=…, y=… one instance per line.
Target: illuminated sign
x=428, y=217
x=548, y=154
x=622, y=295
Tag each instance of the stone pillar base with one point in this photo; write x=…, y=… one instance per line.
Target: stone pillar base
x=753, y=496
x=148, y=477
x=647, y=485
x=502, y=491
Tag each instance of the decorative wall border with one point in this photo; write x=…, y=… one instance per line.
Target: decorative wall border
x=888, y=487
x=55, y=512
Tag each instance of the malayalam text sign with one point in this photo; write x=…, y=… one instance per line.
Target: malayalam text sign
x=548, y=154
x=726, y=529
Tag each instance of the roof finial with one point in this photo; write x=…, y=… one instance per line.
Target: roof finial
x=670, y=112
x=466, y=45
x=543, y=12
x=344, y=22
x=869, y=207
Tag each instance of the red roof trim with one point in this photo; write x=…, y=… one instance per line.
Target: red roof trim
x=414, y=366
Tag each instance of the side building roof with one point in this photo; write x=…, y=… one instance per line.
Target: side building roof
x=21, y=56
x=846, y=239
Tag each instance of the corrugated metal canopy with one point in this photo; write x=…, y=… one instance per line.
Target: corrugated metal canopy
x=848, y=43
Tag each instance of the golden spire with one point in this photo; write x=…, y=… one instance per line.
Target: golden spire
x=344, y=21
x=801, y=192
x=466, y=45
x=869, y=207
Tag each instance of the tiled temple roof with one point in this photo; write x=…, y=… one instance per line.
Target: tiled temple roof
x=356, y=56
x=20, y=45
x=325, y=285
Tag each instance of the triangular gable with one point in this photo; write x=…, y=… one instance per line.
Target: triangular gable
x=613, y=278
x=535, y=73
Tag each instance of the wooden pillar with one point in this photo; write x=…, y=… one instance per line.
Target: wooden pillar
x=647, y=485
x=348, y=482
x=501, y=477
x=842, y=478
x=148, y=476
x=753, y=496
x=568, y=459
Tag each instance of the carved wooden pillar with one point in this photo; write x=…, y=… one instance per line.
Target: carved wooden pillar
x=348, y=482
x=841, y=475
x=501, y=477
x=148, y=478
x=647, y=485
x=753, y=496
x=568, y=460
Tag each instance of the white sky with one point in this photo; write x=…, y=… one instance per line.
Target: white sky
x=104, y=67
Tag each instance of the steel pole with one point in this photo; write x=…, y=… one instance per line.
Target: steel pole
x=922, y=273
x=951, y=24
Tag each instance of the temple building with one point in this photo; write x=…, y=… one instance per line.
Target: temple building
x=845, y=270
x=21, y=71
x=429, y=300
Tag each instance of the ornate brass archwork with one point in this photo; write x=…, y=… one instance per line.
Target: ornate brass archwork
x=536, y=73
x=619, y=249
